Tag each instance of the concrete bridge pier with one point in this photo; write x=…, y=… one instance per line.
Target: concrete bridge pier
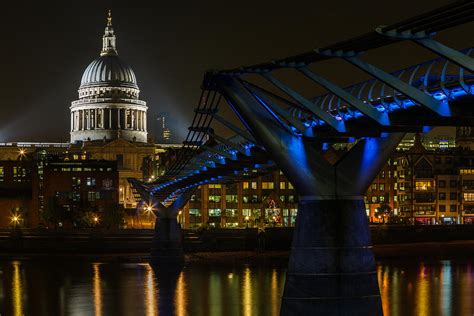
x=167, y=243
x=331, y=269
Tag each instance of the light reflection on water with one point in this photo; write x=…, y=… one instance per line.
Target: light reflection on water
x=93, y=288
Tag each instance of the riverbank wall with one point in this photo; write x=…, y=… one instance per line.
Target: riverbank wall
x=212, y=240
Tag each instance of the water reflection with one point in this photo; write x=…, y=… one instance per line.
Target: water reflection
x=17, y=290
x=97, y=290
x=426, y=288
x=85, y=288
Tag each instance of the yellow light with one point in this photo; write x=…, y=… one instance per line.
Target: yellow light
x=15, y=219
x=247, y=218
x=121, y=189
x=96, y=219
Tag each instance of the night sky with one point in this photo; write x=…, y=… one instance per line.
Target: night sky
x=169, y=44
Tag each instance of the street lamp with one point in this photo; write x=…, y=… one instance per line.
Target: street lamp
x=15, y=220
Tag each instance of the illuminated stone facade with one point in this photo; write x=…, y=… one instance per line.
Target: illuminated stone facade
x=109, y=106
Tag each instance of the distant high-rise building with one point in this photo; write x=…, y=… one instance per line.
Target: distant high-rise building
x=164, y=132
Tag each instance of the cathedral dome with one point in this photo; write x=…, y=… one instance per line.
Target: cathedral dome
x=108, y=70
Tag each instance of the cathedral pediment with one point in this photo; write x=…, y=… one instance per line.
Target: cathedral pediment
x=120, y=143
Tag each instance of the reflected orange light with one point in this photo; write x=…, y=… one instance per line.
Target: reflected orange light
x=17, y=290
x=422, y=294
x=150, y=292
x=181, y=299
x=97, y=290
x=274, y=292
x=247, y=292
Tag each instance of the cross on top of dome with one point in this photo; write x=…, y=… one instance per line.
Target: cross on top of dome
x=108, y=40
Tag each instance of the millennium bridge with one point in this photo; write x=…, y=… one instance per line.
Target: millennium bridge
x=331, y=269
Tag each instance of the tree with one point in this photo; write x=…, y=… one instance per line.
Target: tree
x=385, y=211
x=113, y=216
x=54, y=213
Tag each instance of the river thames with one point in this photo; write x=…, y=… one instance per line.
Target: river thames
x=90, y=287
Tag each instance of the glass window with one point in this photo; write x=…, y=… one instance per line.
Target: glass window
x=215, y=186
x=246, y=212
x=90, y=182
x=91, y=196
x=282, y=185
x=290, y=186
x=382, y=174
x=382, y=198
x=442, y=208
x=374, y=186
x=453, y=208
x=2, y=174
x=291, y=198
x=267, y=185
x=453, y=196
x=214, y=212
x=442, y=196
x=230, y=198
x=468, y=197
x=254, y=185
x=453, y=183
x=245, y=185
x=382, y=187
x=395, y=198
x=423, y=185
x=214, y=198
x=374, y=199
x=245, y=199
x=442, y=183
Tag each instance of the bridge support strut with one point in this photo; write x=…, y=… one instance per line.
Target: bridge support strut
x=331, y=269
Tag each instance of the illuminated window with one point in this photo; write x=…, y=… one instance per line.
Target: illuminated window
x=214, y=212
x=290, y=186
x=282, y=185
x=382, y=187
x=254, y=185
x=2, y=174
x=90, y=182
x=374, y=199
x=423, y=185
x=91, y=196
x=194, y=212
x=245, y=185
x=395, y=198
x=214, y=198
x=374, y=186
x=382, y=198
x=214, y=186
x=246, y=212
x=468, y=197
x=267, y=185
x=230, y=198
x=466, y=171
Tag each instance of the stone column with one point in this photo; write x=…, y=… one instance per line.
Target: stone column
x=118, y=119
x=72, y=121
x=144, y=121
x=81, y=112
